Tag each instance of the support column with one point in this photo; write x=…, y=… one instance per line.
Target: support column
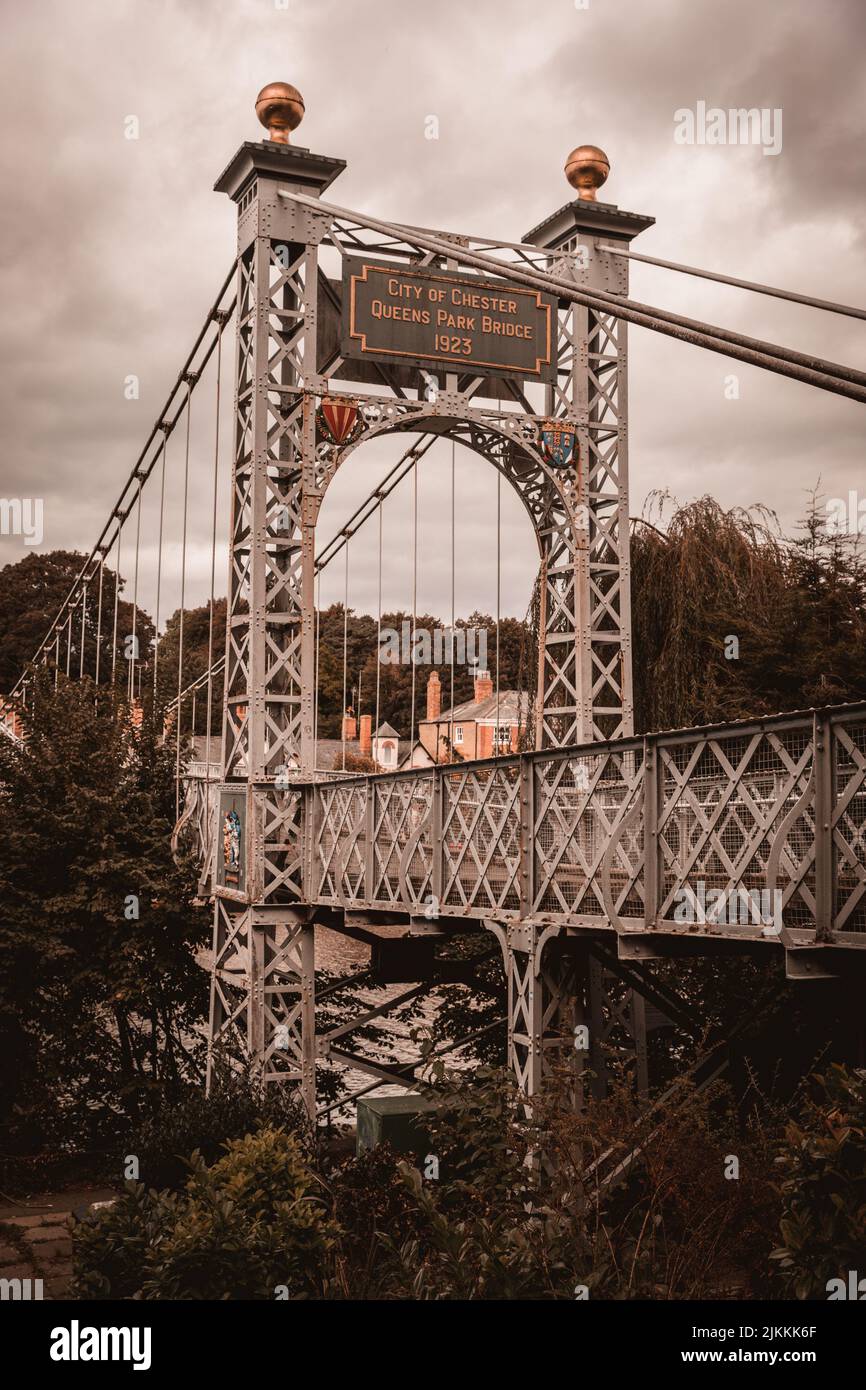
x=270, y=630
x=547, y=1000
x=587, y=656
x=587, y=640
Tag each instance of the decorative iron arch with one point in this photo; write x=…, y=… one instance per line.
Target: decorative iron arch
x=549, y=497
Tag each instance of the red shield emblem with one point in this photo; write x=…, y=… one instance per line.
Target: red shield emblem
x=339, y=420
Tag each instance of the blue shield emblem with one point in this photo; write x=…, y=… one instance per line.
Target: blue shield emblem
x=559, y=443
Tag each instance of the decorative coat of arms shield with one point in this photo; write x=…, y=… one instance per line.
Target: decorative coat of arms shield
x=559, y=443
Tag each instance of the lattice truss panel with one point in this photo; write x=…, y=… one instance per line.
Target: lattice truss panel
x=583, y=804
x=230, y=988
x=372, y=841
x=480, y=829
x=608, y=620
x=262, y=990
x=607, y=834
x=735, y=812
x=282, y=999
x=278, y=816
x=848, y=823
x=591, y=387
x=263, y=684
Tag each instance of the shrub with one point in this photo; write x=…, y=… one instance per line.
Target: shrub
x=823, y=1167
x=371, y=1197
x=252, y=1223
x=203, y=1123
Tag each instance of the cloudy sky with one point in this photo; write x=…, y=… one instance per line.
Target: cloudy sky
x=114, y=248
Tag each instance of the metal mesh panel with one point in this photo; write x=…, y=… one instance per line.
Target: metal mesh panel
x=581, y=801
x=729, y=822
x=402, y=841
x=481, y=837
x=281, y=813
x=849, y=826
x=339, y=848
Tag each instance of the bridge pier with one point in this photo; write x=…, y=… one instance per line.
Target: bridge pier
x=567, y=1012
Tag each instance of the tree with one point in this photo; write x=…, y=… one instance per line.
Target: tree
x=363, y=667
x=732, y=620
x=197, y=640
x=31, y=593
x=101, y=998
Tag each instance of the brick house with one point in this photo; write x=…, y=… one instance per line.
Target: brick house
x=481, y=728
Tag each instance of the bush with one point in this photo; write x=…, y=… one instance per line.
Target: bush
x=251, y=1224
x=823, y=1166
x=372, y=1197
x=516, y=1210
x=203, y=1123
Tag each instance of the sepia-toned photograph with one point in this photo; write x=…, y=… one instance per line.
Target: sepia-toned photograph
x=432, y=674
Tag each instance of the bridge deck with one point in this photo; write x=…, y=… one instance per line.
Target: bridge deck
x=735, y=831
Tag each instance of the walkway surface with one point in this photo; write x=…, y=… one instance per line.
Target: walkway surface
x=35, y=1239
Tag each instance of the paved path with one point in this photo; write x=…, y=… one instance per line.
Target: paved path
x=35, y=1240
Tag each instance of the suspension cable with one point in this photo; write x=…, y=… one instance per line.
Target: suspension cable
x=116, y=602
x=83, y=625
x=379, y=631
x=375, y=499
x=135, y=595
x=216, y=453
x=754, y=285
x=141, y=468
x=316, y=700
x=453, y=610
x=498, y=596
x=414, y=602
x=182, y=601
x=159, y=561
x=345, y=656
x=99, y=618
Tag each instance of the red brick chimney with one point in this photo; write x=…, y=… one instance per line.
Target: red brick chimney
x=366, y=748
x=483, y=685
x=349, y=726
x=434, y=695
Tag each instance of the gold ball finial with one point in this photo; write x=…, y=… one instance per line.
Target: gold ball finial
x=587, y=169
x=280, y=107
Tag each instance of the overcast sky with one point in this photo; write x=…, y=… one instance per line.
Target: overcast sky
x=114, y=248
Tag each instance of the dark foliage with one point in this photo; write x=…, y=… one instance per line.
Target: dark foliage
x=101, y=998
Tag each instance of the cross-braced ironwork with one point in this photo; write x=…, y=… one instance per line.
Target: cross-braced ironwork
x=457, y=841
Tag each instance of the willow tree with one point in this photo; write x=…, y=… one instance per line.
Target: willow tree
x=733, y=619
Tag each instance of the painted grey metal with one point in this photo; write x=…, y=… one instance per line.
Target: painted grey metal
x=814, y=371
x=754, y=285
x=618, y=831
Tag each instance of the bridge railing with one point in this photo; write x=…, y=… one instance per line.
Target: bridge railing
x=768, y=814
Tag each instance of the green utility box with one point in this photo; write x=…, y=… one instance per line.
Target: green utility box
x=395, y=1120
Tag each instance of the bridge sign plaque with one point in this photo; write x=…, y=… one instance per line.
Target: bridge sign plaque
x=434, y=318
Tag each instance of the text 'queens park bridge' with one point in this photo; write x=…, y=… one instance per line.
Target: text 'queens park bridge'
x=580, y=859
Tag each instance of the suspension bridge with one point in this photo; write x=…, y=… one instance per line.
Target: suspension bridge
x=573, y=858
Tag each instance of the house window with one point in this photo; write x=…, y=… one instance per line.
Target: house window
x=387, y=750
x=503, y=735
x=458, y=733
